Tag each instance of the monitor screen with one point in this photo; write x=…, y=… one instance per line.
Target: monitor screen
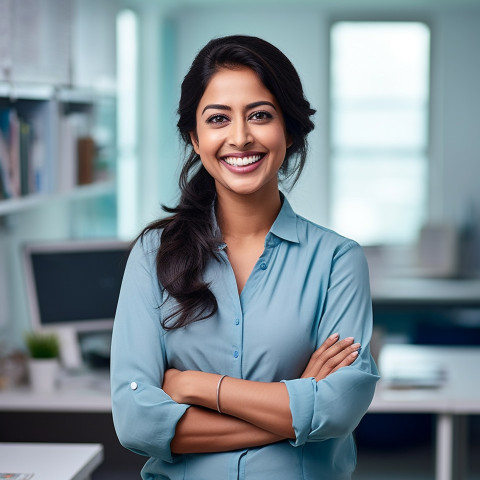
x=74, y=284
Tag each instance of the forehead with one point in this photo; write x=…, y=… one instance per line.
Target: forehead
x=235, y=86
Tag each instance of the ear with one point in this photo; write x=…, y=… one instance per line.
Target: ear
x=289, y=140
x=194, y=140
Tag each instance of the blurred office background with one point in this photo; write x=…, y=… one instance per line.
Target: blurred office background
x=91, y=87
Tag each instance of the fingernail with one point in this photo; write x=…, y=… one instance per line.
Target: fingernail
x=356, y=346
x=335, y=335
x=349, y=339
x=354, y=354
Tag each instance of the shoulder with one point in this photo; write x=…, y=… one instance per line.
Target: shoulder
x=145, y=248
x=149, y=241
x=318, y=236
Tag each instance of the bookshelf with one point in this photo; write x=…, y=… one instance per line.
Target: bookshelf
x=53, y=143
x=57, y=101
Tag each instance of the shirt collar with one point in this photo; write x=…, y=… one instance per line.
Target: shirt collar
x=284, y=226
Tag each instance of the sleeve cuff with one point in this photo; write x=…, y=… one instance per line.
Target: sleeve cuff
x=145, y=420
x=301, y=392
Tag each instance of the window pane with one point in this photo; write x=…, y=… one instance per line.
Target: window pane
x=378, y=197
x=392, y=125
x=379, y=130
x=380, y=60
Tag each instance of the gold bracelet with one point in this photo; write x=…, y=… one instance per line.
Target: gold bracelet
x=218, y=392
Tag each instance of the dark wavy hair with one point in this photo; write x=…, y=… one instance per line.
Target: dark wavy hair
x=188, y=240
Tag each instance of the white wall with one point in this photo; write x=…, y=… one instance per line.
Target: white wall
x=458, y=134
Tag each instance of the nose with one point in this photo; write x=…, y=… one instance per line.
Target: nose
x=240, y=135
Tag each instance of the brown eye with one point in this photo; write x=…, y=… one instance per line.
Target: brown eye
x=217, y=119
x=259, y=116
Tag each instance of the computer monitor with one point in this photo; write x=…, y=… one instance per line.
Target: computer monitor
x=73, y=287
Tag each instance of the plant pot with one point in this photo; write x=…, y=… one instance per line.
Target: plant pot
x=43, y=374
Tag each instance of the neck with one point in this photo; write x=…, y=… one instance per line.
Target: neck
x=242, y=216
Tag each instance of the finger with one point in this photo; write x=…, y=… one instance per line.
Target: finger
x=310, y=368
x=324, y=358
x=343, y=354
x=347, y=361
x=337, y=348
x=331, y=340
x=343, y=358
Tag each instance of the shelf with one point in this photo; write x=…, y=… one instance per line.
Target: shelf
x=83, y=95
x=26, y=91
x=32, y=91
x=19, y=204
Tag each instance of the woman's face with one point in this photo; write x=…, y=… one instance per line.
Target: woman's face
x=240, y=135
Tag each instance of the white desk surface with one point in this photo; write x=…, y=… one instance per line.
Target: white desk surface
x=458, y=394
x=83, y=393
x=51, y=461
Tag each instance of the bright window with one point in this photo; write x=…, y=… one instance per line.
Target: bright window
x=379, y=93
x=127, y=117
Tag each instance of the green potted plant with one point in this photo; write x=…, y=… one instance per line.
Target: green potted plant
x=43, y=363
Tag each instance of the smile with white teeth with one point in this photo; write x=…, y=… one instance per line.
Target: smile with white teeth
x=241, y=162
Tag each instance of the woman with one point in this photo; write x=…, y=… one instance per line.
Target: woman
x=236, y=346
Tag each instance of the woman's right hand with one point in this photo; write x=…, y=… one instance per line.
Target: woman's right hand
x=331, y=356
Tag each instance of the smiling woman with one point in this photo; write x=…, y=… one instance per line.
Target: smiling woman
x=242, y=140
x=236, y=344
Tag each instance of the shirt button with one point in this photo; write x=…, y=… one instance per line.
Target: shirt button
x=133, y=385
x=237, y=321
x=263, y=266
x=235, y=354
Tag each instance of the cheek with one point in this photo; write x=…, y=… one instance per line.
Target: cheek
x=275, y=138
x=209, y=142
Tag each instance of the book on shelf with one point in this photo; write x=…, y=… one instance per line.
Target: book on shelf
x=6, y=190
x=77, y=152
x=86, y=152
x=14, y=144
x=22, y=170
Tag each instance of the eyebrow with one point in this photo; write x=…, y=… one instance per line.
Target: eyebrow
x=216, y=106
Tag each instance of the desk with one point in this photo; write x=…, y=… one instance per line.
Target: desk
x=76, y=393
x=452, y=402
x=79, y=410
x=50, y=461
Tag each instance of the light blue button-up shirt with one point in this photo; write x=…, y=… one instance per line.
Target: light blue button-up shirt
x=308, y=284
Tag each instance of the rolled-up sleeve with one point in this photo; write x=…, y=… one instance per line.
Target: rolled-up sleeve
x=334, y=406
x=144, y=416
